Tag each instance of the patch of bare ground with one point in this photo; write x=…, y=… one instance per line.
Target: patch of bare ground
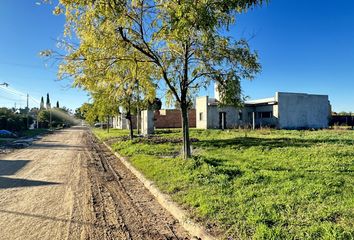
x=68, y=186
x=121, y=204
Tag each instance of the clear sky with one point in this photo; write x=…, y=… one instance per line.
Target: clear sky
x=26, y=29
x=304, y=46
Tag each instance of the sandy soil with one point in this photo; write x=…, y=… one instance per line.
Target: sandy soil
x=68, y=186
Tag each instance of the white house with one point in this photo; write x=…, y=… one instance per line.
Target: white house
x=283, y=111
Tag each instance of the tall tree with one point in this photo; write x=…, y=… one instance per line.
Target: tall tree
x=42, y=104
x=114, y=85
x=48, y=102
x=58, y=106
x=180, y=38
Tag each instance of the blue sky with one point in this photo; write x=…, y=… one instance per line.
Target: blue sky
x=304, y=46
x=26, y=29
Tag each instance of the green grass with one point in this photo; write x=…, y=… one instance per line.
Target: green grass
x=113, y=133
x=266, y=184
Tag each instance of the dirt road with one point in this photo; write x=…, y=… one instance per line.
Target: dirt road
x=68, y=186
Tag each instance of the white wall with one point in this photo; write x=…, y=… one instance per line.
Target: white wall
x=231, y=116
x=201, y=108
x=210, y=115
x=290, y=111
x=299, y=110
x=147, y=122
x=120, y=122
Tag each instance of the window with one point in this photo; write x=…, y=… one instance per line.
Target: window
x=201, y=116
x=265, y=114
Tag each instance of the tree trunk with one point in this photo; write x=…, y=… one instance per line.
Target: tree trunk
x=107, y=124
x=131, y=133
x=184, y=106
x=185, y=131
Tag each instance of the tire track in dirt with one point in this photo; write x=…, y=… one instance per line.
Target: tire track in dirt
x=69, y=186
x=43, y=189
x=122, y=204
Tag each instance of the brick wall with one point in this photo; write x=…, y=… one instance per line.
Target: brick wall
x=171, y=118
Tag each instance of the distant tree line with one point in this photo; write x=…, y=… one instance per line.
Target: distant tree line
x=343, y=113
x=13, y=120
x=59, y=118
x=17, y=120
x=53, y=117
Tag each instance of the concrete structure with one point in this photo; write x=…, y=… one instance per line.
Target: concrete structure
x=164, y=118
x=296, y=110
x=120, y=122
x=209, y=115
x=147, y=122
x=283, y=111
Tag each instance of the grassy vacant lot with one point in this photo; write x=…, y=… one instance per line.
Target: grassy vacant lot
x=266, y=184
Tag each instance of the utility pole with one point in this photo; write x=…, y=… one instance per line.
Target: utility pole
x=49, y=107
x=50, y=118
x=27, y=109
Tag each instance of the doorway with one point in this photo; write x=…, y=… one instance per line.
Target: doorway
x=222, y=120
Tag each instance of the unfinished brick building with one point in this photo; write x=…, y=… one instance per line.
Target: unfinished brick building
x=164, y=118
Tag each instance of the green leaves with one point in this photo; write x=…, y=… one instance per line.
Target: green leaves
x=172, y=37
x=177, y=44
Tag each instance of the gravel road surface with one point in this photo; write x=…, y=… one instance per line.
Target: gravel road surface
x=68, y=186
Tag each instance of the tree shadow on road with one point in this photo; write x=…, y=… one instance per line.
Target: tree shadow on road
x=57, y=146
x=56, y=219
x=11, y=167
x=17, y=182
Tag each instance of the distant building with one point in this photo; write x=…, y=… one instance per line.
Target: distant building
x=172, y=118
x=283, y=111
x=164, y=118
x=119, y=121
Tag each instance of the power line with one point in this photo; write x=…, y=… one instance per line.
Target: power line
x=17, y=93
x=8, y=91
x=12, y=91
x=34, y=100
x=27, y=66
x=12, y=99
